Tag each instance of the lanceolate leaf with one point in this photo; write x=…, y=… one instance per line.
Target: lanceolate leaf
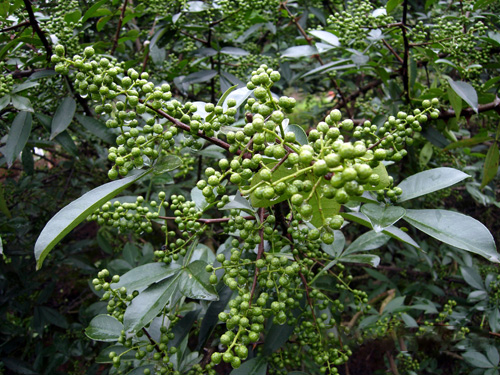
x=455, y=229
x=64, y=139
x=326, y=36
x=429, y=181
x=146, y=306
x=384, y=178
x=63, y=116
x=490, y=165
x=143, y=276
x=104, y=328
x=195, y=284
x=97, y=128
x=366, y=242
x=74, y=213
x=394, y=232
x=466, y=92
x=382, y=217
x=191, y=281
x=373, y=260
x=18, y=136
x=299, y=51
x=455, y=101
x=392, y=4
x=468, y=142
x=167, y=163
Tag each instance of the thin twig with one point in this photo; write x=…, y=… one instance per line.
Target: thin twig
x=194, y=37
x=260, y=252
x=16, y=74
x=19, y=25
x=392, y=51
x=468, y=112
x=153, y=342
x=406, y=55
x=36, y=28
x=120, y=22
x=209, y=221
x=392, y=363
x=182, y=126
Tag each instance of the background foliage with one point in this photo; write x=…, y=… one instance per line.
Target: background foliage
x=433, y=310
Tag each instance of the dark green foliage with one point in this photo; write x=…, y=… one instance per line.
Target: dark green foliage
x=296, y=187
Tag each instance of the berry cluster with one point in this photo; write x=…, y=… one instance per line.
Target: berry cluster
x=6, y=81
x=298, y=181
x=353, y=24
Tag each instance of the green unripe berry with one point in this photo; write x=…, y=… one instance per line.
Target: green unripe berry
x=336, y=115
x=305, y=157
x=59, y=50
x=320, y=168
x=89, y=52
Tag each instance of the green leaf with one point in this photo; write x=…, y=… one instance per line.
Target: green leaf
x=455, y=229
x=373, y=260
x=382, y=217
x=466, y=92
x=477, y=359
x=64, y=139
x=329, y=207
x=92, y=10
x=494, y=322
x=196, y=6
x=429, y=181
x=482, y=3
x=472, y=277
x=18, y=136
x=166, y=163
x=97, y=128
x=211, y=317
x=490, y=165
x=199, y=77
x=195, y=282
x=300, y=134
x=384, y=178
x=151, y=301
x=392, y=4
x=325, y=68
x=4, y=101
x=63, y=116
x=492, y=352
x=233, y=51
x=366, y=242
x=254, y=366
x=76, y=212
x=425, y=154
x=212, y=151
x=73, y=16
x=299, y=51
x=455, y=101
x=240, y=95
x=409, y=321
x=394, y=232
x=21, y=103
x=23, y=86
x=145, y=275
x=326, y=36
x=277, y=335
x=104, y=328
x=469, y=142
